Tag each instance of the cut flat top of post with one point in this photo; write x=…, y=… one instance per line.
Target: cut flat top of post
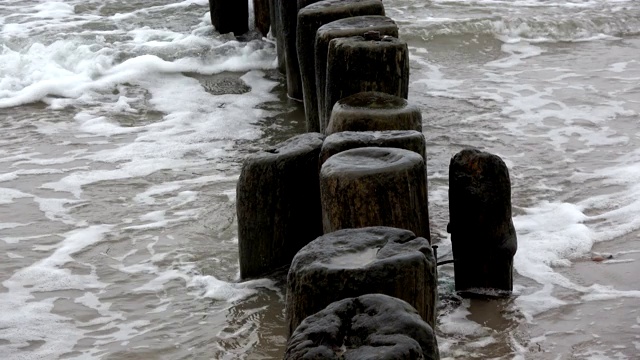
x=334, y=6
x=370, y=160
x=374, y=101
x=356, y=23
x=297, y=144
x=361, y=42
x=360, y=248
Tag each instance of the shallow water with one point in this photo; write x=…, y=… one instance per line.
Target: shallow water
x=124, y=125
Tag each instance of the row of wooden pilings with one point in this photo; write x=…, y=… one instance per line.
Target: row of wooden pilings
x=346, y=204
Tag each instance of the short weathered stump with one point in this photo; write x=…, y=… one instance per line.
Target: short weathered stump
x=373, y=326
x=354, y=262
x=374, y=186
x=374, y=111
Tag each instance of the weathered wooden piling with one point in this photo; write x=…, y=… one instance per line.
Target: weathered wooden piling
x=373, y=326
x=354, y=262
x=371, y=63
x=278, y=204
x=310, y=18
x=230, y=16
x=276, y=32
x=374, y=111
x=353, y=26
x=261, y=15
x=403, y=139
x=482, y=233
x=289, y=24
x=374, y=186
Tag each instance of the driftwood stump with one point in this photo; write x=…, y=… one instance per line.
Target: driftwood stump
x=354, y=26
x=310, y=18
x=374, y=186
x=278, y=204
x=409, y=140
x=374, y=111
x=482, y=233
x=354, y=262
x=370, y=63
x=229, y=16
x=373, y=326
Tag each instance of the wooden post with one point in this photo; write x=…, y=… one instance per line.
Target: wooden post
x=374, y=186
x=482, y=234
x=261, y=15
x=289, y=23
x=230, y=16
x=310, y=18
x=354, y=262
x=353, y=26
x=278, y=204
x=374, y=111
x=409, y=140
x=276, y=30
x=371, y=63
x=373, y=326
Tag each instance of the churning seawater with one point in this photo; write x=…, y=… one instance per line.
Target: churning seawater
x=124, y=125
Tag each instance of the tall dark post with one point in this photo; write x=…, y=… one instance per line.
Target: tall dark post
x=482, y=233
x=262, y=15
x=353, y=26
x=276, y=31
x=310, y=18
x=289, y=23
x=230, y=16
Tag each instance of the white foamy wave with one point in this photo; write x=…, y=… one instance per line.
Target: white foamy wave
x=207, y=286
x=70, y=70
x=543, y=26
x=198, y=127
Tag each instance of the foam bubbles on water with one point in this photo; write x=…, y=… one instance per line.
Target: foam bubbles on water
x=24, y=320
